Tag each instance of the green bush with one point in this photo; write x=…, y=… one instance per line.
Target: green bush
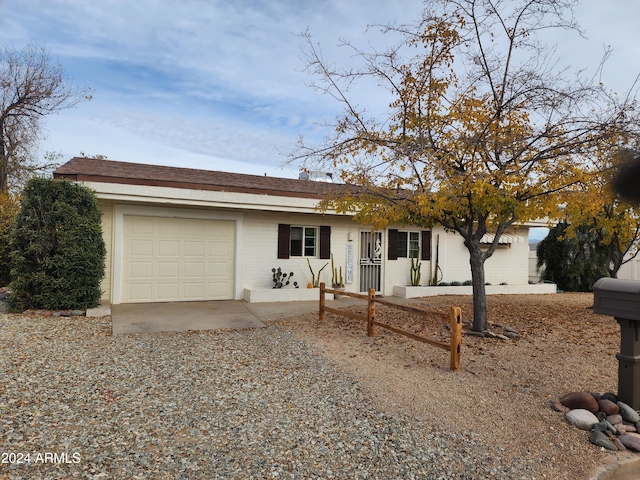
x=8, y=208
x=573, y=263
x=58, y=253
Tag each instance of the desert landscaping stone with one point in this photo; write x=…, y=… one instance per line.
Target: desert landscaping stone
x=619, y=445
x=608, y=407
x=581, y=418
x=631, y=441
x=580, y=400
x=558, y=407
x=614, y=419
x=609, y=396
x=628, y=413
x=598, y=438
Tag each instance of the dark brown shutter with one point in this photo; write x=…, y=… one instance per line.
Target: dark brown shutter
x=392, y=252
x=425, y=247
x=284, y=232
x=325, y=242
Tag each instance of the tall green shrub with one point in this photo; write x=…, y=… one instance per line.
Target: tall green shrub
x=8, y=208
x=58, y=253
x=573, y=263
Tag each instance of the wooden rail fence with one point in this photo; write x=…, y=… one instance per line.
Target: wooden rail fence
x=455, y=320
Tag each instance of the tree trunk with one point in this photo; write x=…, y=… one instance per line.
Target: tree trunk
x=480, y=319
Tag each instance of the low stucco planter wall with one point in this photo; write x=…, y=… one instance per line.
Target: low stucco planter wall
x=406, y=291
x=286, y=294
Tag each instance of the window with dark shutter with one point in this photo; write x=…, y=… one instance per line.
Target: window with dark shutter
x=283, y=240
x=425, y=248
x=325, y=242
x=392, y=252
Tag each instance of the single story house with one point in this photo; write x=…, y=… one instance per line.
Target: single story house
x=178, y=234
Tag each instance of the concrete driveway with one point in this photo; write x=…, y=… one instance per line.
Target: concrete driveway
x=183, y=316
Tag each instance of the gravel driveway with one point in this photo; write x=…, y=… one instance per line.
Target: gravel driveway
x=244, y=404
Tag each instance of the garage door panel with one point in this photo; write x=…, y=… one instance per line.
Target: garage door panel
x=140, y=292
x=168, y=270
x=195, y=228
x=168, y=291
x=218, y=269
x=193, y=269
x=168, y=229
x=141, y=248
x=216, y=289
x=219, y=249
x=194, y=249
x=143, y=226
x=173, y=259
x=193, y=290
x=169, y=248
x=142, y=270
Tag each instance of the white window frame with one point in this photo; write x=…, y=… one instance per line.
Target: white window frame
x=303, y=246
x=408, y=251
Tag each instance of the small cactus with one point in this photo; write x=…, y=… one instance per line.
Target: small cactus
x=415, y=272
x=336, y=276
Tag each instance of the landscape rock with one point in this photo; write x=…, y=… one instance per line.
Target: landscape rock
x=614, y=419
x=77, y=313
x=632, y=442
x=619, y=445
x=580, y=400
x=628, y=413
x=608, y=407
x=558, y=407
x=600, y=439
x=609, y=396
x=604, y=426
x=621, y=429
x=581, y=418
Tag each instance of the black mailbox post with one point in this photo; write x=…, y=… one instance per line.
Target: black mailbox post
x=621, y=299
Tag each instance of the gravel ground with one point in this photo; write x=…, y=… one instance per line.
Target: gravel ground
x=258, y=403
x=503, y=389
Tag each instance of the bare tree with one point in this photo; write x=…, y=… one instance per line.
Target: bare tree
x=32, y=86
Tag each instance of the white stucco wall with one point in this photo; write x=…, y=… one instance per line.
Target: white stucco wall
x=508, y=264
x=260, y=248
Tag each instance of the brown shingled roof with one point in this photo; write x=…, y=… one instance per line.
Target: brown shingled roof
x=109, y=171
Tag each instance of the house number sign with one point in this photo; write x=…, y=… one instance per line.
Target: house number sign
x=349, y=266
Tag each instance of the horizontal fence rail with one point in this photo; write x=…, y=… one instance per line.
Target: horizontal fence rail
x=455, y=320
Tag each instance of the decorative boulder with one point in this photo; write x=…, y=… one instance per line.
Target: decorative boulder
x=608, y=407
x=580, y=400
x=628, y=413
x=581, y=418
x=614, y=419
x=632, y=442
x=601, y=440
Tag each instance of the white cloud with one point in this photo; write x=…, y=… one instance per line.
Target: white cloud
x=219, y=79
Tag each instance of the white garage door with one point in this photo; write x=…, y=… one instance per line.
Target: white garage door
x=177, y=259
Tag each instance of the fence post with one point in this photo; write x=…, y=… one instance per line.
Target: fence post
x=455, y=316
x=321, y=311
x=371, y=313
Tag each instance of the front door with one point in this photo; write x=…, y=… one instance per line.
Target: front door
x=370, y=261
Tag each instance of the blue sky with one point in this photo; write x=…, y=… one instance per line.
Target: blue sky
x=219, y=85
